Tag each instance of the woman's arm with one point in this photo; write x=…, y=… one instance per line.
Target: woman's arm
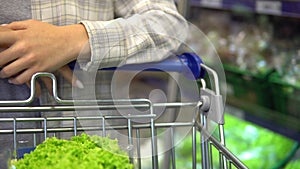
x=144, y=31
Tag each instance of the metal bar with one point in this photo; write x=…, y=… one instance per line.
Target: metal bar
x=56, y=97
x=204, y=145
x=34, y=139
x=154, y=145
x=90, y=107
x=221, y=160
x=15, y=134
x=173, y=149
x=138, y=148
x=103, y=127
x=70, y=129
x=31, y=97
x=172, y=93
x=230, y=165
x=222, y=141
x=130, y=142
x=194, y=148
x=222, y=149
x=34, y=119
x=75, y=126
x=215, y=76
x=45, y=128
x=221, y=127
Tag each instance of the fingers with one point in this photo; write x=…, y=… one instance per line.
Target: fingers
x=22, y=77
x=67, y=73
x=18, y=69
x=3, y=28
x=8, y=55
x=19, y=25
x=7, y=36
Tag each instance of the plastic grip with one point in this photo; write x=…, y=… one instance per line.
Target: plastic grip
x=189, y=64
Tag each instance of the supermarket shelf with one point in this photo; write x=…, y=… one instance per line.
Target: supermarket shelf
x=288, y=8
x=275, y=121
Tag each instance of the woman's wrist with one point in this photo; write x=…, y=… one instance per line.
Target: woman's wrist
x=77, y=39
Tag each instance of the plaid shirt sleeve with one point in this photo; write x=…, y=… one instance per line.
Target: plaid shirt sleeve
x=138, y=31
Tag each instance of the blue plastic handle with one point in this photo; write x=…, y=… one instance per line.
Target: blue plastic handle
x=187, y=63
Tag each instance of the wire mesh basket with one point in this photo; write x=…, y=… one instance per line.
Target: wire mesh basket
x=208, y=109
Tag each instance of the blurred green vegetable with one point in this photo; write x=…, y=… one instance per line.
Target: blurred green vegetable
x=81, y=152
x=256, y=147
x=293, y=165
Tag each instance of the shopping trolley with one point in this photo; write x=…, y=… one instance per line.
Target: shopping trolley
x=209, y=108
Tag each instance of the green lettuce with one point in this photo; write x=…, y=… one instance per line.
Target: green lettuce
x=80, y=152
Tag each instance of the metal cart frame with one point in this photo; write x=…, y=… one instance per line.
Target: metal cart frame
x=210, y=103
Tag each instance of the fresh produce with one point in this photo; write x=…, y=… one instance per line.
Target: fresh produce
x=255, y=146
x=80, y=152
x=293, y=165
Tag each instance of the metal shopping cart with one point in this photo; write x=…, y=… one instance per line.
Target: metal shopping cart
x=207, y=109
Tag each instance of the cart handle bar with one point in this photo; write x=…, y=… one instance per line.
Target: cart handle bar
x=188, y=64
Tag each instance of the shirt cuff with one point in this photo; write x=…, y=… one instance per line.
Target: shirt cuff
x=106, y=43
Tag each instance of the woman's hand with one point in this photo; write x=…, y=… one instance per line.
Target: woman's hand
x=3, y=30
x=33, y=46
